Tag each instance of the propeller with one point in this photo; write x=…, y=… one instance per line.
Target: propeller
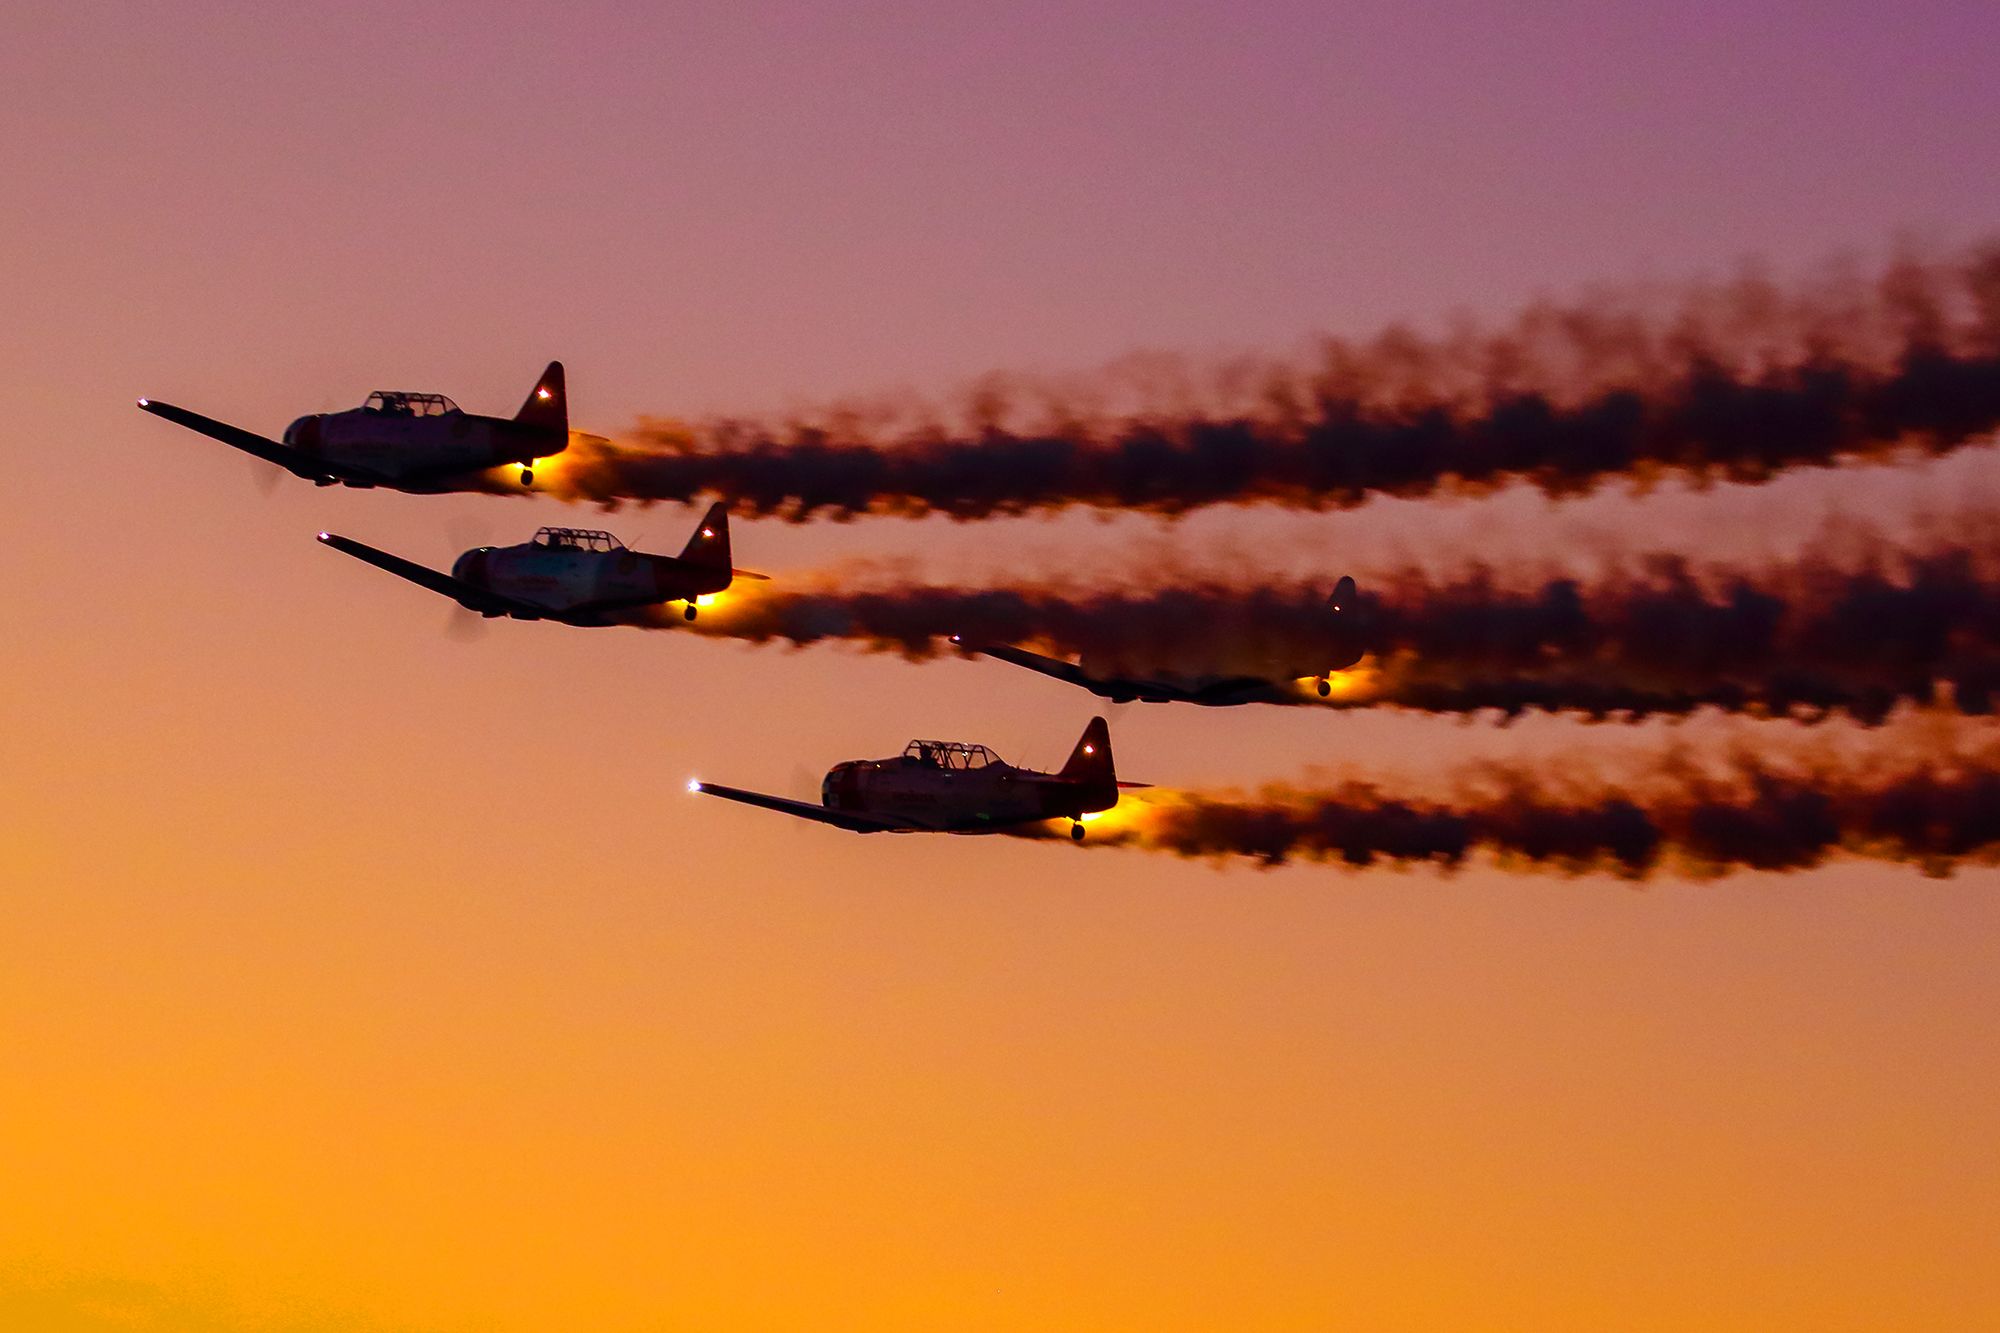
x=463, y=626
x=264, y=476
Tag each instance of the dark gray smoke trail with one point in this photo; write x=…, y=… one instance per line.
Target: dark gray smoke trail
x=1936, y=811
x=1740, y=383
x=1664, y=636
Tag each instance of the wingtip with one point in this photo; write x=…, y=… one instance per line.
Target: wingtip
x=694, y=786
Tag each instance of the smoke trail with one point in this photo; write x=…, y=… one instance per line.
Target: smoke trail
x=1937, y=811
x=1662, y=636
x=1741, y=382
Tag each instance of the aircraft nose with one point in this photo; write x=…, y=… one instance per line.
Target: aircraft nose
x=470, y=568
x=303, y=433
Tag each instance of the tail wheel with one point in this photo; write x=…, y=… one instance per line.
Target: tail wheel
x=1325, y=687
x=1076, y=833
x=527, y=476
x=689, y=613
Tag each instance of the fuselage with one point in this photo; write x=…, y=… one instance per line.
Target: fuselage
x=939, y=798
x=588, y=585
x=410, y=449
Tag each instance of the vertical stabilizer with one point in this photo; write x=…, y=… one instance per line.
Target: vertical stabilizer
x=1090, y=761
x=548, y=402
x=709, y=547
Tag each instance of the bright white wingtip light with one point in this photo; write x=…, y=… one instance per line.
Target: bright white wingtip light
x=694, y=785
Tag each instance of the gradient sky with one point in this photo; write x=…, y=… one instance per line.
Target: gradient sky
x=358, y=976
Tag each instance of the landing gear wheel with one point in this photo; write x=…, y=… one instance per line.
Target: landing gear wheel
x=1325, y=687
x=527, y=476
x=689, y=613
x=1076, y=833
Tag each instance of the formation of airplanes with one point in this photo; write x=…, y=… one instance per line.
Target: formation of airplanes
x=424, y=443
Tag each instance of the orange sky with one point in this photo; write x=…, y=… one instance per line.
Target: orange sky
x=358, y=976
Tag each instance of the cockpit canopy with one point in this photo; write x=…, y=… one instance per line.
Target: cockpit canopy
x=577, y=539
x=949, y=754
x=393, y=403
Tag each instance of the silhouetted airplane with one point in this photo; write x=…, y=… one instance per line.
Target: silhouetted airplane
x=407, y=441
x=1263, y=679
x=951, y=787
x=573, y=575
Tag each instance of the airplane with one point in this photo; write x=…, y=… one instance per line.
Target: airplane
x=416, y=442
x=952, y=787
x=1261, y=680
x=577, y=576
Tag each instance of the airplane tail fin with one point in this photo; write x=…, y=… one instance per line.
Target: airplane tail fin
x=548, y=402
x=709, y=547
x=1344, y=594
x=1090, y=761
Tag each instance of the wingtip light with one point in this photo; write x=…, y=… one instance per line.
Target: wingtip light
x=694, y=785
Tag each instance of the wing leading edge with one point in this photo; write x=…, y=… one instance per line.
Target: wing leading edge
x=465, y=594
x=854, y=823
x=291, y=460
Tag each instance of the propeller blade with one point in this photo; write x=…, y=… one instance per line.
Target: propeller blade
x=264, y=476
x=463, y=626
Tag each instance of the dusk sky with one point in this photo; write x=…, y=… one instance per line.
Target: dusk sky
x=363, y=975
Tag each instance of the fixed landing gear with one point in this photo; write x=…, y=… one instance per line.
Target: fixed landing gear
x=527, y=476
x=689, y=612
x=1325, y=687
x=1076, y=832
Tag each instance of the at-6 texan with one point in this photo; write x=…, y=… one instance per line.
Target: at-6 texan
x=418, y=442
x=1235, y=668
x=952, y=787
x=574, y=575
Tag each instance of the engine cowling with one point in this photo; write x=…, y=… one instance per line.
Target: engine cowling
x=304, y=435
x=471, y=567
x=841, y=789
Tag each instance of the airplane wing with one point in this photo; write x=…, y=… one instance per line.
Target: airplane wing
x=465, y=594
x=856, y=823
x=1067, y=672
x=1124, y=689
x=294, y=462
